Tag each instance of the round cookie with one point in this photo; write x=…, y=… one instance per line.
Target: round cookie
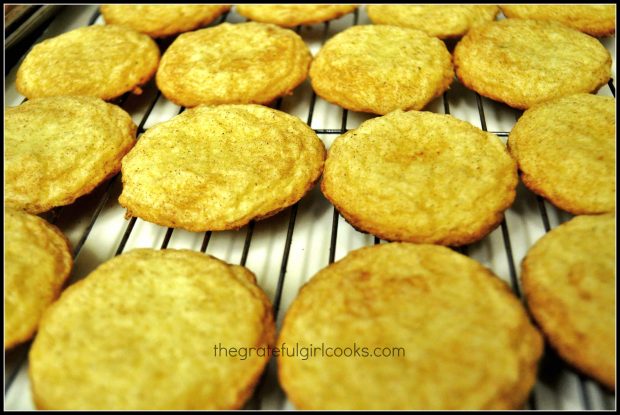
x=454, y=334
x=595, y=20
x=291, y=15
x=162, y=20
x=217, y=168
x=100, y=61
x=444, y=21
x=568, y=279
x=524, y=62
x=233, y=64
x=566, y=151
x=379, y=69
x=143, y=331
x=37, y=262
x=420, y=177
x=60, y=148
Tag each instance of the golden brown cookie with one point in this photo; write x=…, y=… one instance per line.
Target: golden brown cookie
x=291, y=15
x=566, y=151
x=379, y=69
x=420, y=177
x=217, y=168
x=60, y=148
x=440, y=331
x=37, y=264
x=595, y=20
x=524, y=62
x=444, y=21
x=233, y=64
x=146, y=330
x=569, y=284
x=100, y=61
x=162, y=20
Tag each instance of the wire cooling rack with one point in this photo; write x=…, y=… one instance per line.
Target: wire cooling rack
x=286, y=250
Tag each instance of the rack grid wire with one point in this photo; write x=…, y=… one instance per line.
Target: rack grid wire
x=286, y=250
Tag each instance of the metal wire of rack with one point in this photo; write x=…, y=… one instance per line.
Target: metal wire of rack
x=546, y=394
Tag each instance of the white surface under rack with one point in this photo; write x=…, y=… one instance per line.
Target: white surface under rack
x=286, y=250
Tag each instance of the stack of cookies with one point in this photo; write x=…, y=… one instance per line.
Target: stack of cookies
x=137, y=333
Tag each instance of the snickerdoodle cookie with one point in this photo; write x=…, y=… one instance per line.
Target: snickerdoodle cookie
x=404, y=326
x=103, y=61
x=525, y=62
x=595, y=20
x=420, y=177
x=60, y=148
x=569, y=282
x=566, y=151
x=443, y=21
x=291, y=15
x=379, y=69
x=152, y=329
x=37, y=262
x=218, y=167
x=162, y=20
x=245, y=63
